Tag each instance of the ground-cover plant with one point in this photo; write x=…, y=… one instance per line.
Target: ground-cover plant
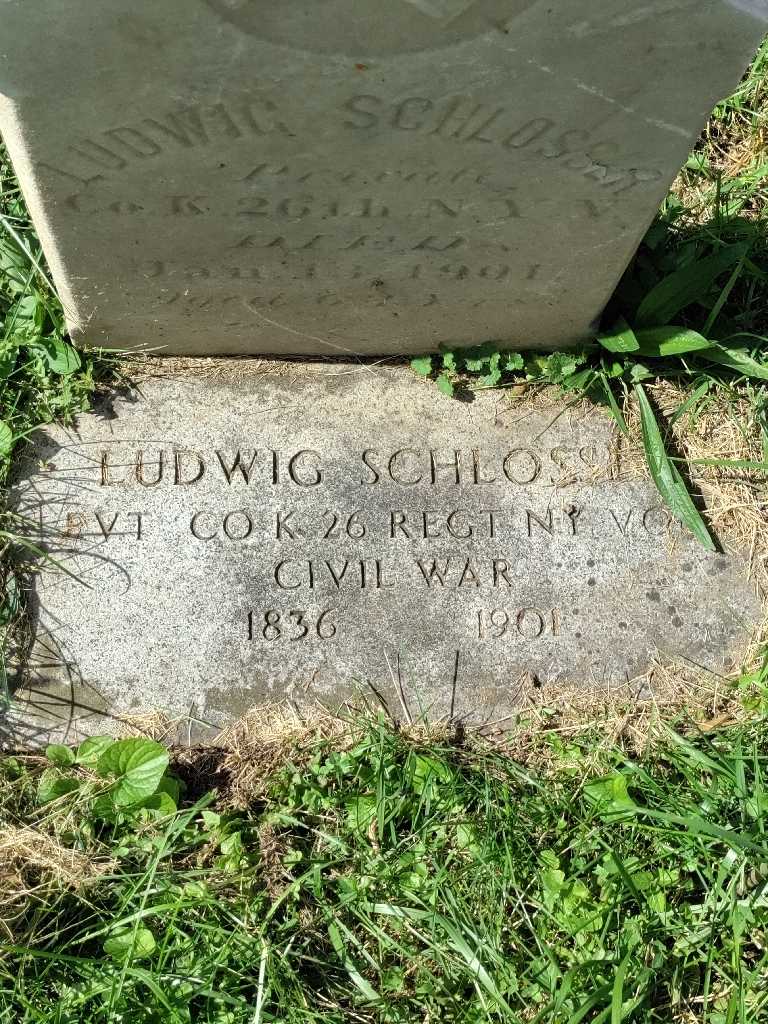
x=381, y=877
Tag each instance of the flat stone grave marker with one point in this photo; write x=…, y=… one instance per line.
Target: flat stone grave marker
x=316, y=532
x=323, y=176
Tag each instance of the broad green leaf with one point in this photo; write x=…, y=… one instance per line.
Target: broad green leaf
x=60, y=356
x=445, y=384
x=422, y=365
x=476, y=357
x=103, y=808
x=661, y=342
x=610, y=794
x=697, y=162
x=737, y=359
x=621, y=338
x=669, y=483
x=512, y=361
x=60, y=755
x=490, y=380
x=232, y=844
x=162, y=805
x=613, y=368
x=9, y=353
x=53, y=784
x=425, y=770
x=90, y=750
x=449, y=361
x=14, y=268
x=170, y=786
x=468, y=838
x=6, y=438
x=639, y=372
x=684, y=286
x=138, y=766
x=361, y=811
x=561, y=365
x=137, y=944
x=28, y=315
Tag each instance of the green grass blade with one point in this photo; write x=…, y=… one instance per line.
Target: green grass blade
x=349, y=965
x=714, y=313
x=691, y=401
x=668, y=480
x=613, y=405
x=617, y=998
x=737, y=359
x=758, y=467
x=685, y=286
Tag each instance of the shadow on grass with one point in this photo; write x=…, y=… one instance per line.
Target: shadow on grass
x=735, y=304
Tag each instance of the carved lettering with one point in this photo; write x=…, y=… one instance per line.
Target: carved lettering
x=231, y=466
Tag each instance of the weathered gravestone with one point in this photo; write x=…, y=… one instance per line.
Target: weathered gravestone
x=315, y=531
x=235, y=176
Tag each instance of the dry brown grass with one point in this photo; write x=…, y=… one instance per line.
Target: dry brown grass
x=36, y=862
x=735, y=501
x=733, y=143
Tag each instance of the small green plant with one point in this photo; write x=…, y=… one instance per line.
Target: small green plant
x=111, y=779
x=43, y=378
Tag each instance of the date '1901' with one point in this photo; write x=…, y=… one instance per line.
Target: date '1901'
x=526, y=623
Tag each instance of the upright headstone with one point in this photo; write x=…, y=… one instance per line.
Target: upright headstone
x=353, y=176
x=323, y=530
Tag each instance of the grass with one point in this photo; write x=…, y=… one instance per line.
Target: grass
x=42, y=377
x=368, y=874
x=362, y=872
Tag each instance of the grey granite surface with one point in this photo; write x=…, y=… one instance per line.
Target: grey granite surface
x=316, y=531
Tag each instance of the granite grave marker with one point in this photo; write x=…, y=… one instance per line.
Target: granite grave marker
x=323, y=176
x=326, y=530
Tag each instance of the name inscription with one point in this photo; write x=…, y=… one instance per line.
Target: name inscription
x=407, y=467
x=312, y=550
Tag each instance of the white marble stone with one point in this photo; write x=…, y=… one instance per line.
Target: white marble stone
x=323, y=176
